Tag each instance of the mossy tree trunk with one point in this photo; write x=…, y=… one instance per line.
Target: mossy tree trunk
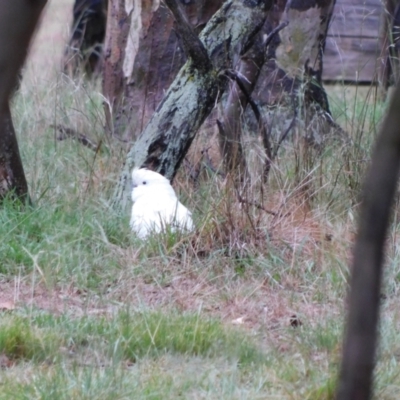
x=194, y=92
x=18, y=19
x=143, y=54
x=290, y=77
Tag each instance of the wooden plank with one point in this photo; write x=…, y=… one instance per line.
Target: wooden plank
x=364, y=3
x=356, y=21
x=349, y=60
x=353, y=47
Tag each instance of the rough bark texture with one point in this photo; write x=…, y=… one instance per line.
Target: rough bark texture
x=238, y=96
x=189, y=100
x=114, y=54
x=289, y=87
x=151, y=58
x=289, y=90
x=12, y=177
x=191, y=97
x=18, y=19
x=356, y=374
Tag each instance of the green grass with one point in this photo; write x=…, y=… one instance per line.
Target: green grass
x=150, y=354
x=129, y=336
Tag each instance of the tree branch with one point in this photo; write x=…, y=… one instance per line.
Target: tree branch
x=192, y=45
x=167, y=136
x=274, y=32
x=18, y=19
x=65, y=133
x=362, y=320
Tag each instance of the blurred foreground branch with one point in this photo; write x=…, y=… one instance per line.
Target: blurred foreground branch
x=18, y=19
x=356, y=375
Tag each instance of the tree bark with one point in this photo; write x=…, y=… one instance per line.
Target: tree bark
x=289, y=90
x=12, y=176
x=358, y=361
x=239, y=97
x=288, y=95
x=189, y=100
x=18, y=19
x=150, y=55
x=230, y=129
x=114, y=53
x=85, y=48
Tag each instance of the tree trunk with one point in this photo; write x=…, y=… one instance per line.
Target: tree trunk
x=284, y=86
x=239, y=92
x=18, y=19
x=114, y=54
x=142, y=57
x=356, y=375
x=85, y=48
x=12, y=177
x=189, y=100
x=289, y=90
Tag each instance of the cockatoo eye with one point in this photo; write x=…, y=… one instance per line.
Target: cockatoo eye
x=144, y=182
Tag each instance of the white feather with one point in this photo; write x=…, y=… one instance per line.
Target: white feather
x=155, y=205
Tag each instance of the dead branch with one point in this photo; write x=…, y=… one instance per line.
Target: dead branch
x=66, y=133
x=263, y=129
x=255, y=204
x=192, y=45
x=272, y=34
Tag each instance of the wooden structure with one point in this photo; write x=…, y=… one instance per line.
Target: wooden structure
x=356, y=46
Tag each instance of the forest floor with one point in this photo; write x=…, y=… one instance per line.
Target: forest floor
x=250, y=306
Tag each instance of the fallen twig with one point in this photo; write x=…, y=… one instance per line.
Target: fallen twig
x=255, y=204
x=65, y=133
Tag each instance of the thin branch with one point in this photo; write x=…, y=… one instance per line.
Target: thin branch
x=264, y=131
x=66, y=133
x=234, y=76
x=192, y=45
x=274, y=32
x=284, y=136
x=255, y=204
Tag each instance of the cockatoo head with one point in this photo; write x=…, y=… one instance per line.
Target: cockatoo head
x=145, y=181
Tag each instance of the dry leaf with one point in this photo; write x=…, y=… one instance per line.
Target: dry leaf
x=238, y=321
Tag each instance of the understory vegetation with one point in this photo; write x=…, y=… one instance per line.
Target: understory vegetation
x=250, y=306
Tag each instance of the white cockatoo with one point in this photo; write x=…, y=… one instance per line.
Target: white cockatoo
x=155, y=205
